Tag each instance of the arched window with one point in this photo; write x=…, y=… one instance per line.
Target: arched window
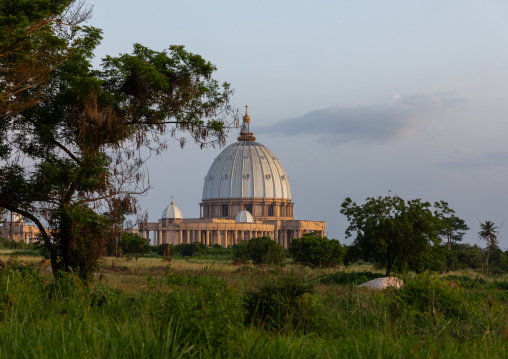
x=225, y=210
x=270, y=211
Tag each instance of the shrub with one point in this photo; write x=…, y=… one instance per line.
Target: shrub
x=164, y=249
x=133, y=244
x=425, y=296
x=316, y=250
x=284, y=304
x=195, y=249
x=264, y=250
x=241, y=251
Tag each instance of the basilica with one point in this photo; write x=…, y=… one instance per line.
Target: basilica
x=246, y=194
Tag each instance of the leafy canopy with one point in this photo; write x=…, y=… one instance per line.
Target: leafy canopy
x=391, y=231
x=74, y=162
x=36, y=36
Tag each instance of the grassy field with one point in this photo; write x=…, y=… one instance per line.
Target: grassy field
x=210, y=308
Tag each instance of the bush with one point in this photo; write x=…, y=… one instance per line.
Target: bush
x=425, y=296
x=264, y=250
x=163, y=250
x=133, y=244
x=195, y=249
x=316, y=250
x=241, y=251
x=284, y=304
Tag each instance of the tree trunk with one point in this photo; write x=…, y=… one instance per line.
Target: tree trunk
x=388, y=269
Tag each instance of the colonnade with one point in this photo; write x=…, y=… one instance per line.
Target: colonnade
x=206, y=236
x=223, y=237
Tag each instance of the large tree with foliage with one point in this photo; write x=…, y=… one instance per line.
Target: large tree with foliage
x=75, y=161
x=391, y=231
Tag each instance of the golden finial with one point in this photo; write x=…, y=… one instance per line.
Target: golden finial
x=246, y=118
x=245, y=134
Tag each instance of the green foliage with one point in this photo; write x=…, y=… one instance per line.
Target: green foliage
x=35, y=36
x=241, y=251
x=453, y=229
x=133, y=244
x=391, y=231
x=431, y=298
x=355, y=278
x=194, y=249
x=261, y=250
x=162, y=249
x=285, y=304
x=315, y=250
x=82, y=136
x=466, y=282
x=198, y=315
x=488, y=233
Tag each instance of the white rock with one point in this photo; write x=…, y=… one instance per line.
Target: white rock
x=383, y=283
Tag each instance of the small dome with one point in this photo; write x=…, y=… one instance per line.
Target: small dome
x=244, y=217
x=172, y=212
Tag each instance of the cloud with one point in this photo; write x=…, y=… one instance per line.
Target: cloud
x=368, y=123
x=465, y=160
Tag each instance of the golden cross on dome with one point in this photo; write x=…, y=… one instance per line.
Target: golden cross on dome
x=172, y=198
x=246, y=109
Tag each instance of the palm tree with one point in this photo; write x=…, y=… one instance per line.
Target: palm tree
x=488, y=233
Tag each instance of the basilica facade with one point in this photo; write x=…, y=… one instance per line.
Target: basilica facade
x=246, y=194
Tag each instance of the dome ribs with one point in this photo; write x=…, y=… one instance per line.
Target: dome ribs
x=252, y=171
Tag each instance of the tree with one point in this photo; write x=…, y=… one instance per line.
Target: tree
x=76, y=159
x=453, y=229
x=316, y=250
x=488, y=233
x=36, y=36
x=393, y=231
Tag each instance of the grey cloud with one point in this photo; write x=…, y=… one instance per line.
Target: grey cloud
x=367, y=123
x=484, y=160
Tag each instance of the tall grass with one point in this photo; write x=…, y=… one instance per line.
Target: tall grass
x=200, y=315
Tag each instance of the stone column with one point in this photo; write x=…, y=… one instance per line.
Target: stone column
x=207, y=239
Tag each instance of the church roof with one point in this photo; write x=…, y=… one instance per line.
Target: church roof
x=244, y=217
x=172, y=212
x=246, y=169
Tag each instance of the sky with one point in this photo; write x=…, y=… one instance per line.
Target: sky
x=356, y=98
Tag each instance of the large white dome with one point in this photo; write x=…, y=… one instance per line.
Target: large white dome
x=246, y=169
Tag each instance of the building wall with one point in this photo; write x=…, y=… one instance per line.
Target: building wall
x=260, y=208
x=226, y=232
x=19, y=232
